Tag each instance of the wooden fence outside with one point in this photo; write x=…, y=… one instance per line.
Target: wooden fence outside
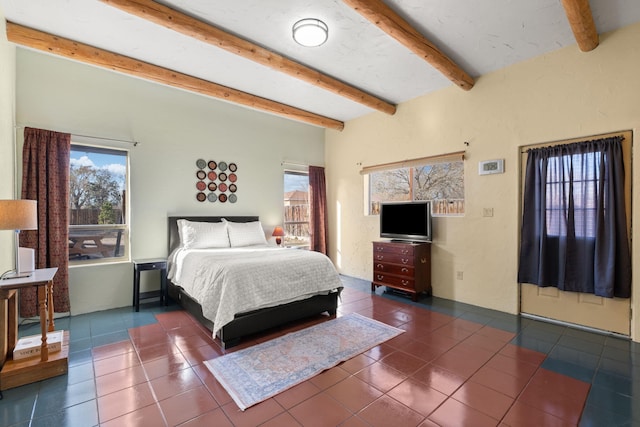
x=89, y=216
x=296, y=220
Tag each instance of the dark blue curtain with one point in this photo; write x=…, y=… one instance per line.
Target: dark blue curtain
x=574, y=226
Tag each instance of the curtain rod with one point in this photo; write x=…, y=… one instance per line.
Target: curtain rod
x=285, y=162
x=134, y=143
x=526, y=148
x=439, y=158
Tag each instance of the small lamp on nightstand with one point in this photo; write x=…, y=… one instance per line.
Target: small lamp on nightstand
x=19, y=215
x=278, y=232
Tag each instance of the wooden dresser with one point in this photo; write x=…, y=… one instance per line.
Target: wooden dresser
x=402, y=265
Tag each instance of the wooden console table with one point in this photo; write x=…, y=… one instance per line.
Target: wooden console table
x=24, y=371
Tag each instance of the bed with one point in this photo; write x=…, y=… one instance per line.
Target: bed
x=244, y=270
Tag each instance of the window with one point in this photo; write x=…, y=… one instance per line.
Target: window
x=573, y=179
x=574, y=218
x=97, y=200
x=441, y=183
x=296, y=208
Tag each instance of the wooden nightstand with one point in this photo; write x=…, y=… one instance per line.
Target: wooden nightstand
x=149, y=265
x=25, y=371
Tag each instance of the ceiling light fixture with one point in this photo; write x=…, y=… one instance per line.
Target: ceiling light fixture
x=310, y=32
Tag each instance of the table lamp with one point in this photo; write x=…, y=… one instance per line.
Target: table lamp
x=18, y=215
x=278, y=232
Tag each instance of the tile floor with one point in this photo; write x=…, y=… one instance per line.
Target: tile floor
x=456, y=365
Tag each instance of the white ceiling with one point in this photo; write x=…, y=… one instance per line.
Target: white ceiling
x=480, y=36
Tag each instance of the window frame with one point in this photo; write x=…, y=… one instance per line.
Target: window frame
x=124, y=228
x=439, y=207
x=286, y=242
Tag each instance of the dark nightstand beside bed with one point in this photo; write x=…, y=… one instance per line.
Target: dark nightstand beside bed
x=149, y=265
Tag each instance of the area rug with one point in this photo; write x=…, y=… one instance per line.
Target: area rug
x=257, y=373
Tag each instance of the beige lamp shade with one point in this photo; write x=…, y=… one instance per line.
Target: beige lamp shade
x=18, y=215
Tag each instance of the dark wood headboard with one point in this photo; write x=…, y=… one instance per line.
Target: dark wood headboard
x=174, y=237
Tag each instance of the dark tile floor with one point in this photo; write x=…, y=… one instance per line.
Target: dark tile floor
x=456, y=365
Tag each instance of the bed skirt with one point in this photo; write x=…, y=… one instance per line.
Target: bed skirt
x=258, y=320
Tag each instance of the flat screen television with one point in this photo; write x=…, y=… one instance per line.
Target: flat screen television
x=407, y=221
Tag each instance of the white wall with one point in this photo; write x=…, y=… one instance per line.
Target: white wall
x=7, y=158
x=174, y=128
x=562, y=95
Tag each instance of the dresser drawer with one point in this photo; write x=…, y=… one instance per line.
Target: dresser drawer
x=396, y=248
x=393, y=258
x=400, y=270
x=395, y=281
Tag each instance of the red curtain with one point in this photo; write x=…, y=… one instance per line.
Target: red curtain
x=45, y=178
x=318, y=214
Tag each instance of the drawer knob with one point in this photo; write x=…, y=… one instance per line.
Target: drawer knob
x=380, y=257
x=405, y=251
x=380, y=266
x=405, y=282
x=405, y=270
x=380, y=277
x=423, y=260
x=380, y=249
x=405, y=260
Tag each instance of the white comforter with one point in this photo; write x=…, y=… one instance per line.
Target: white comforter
x=230, y=281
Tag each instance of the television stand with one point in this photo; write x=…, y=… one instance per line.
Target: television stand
x=401, y=265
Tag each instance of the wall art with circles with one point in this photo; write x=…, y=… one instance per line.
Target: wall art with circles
x=216, y=181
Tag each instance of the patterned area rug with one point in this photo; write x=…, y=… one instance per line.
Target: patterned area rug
x=264, y=370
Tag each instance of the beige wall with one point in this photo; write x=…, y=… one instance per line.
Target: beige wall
x=7, y=158
x=174, y=128
x=561, y=95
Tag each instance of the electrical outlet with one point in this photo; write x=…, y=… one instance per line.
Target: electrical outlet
x=459, y=275
x=487, y=212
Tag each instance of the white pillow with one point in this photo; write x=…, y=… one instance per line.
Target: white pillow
x=203, y=235
x=245, y=233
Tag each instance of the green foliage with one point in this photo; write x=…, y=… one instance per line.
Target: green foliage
x=90, y=187
x=107, y=214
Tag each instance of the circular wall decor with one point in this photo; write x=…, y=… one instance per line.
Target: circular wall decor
x=215, y=179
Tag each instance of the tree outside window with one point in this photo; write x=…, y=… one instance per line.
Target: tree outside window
x=441, y=183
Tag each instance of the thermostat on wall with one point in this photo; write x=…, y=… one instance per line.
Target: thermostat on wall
x=488, y=167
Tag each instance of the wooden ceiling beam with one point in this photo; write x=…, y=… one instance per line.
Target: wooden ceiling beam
x=581, y=20
x=184, y=24
x=60, y=46
x=393, y=24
